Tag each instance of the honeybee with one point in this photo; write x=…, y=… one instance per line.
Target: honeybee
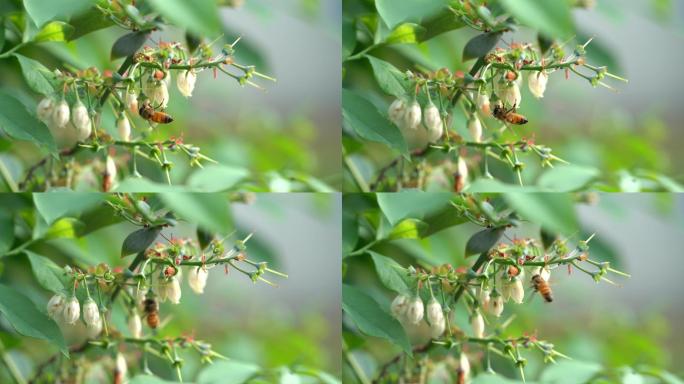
x=151, y=309
x=147, y=112
x=542, y=286
x=508, y=115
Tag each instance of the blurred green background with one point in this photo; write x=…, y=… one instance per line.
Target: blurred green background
x=632, y=132
x=635, y=323
x=290, y=129
x=295, y=323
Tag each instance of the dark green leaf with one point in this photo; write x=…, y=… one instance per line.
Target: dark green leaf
x=480, y=45
x=27, y=320
x=2, y=32
x=552, y=18
x=6, y=231
x=42, y=11
x=128, y=44
x=348, y=37
x=216, y=178
x=369, y=317
x=361, y=116
x=199, y=16
x=445, y=218
x=389, y=78
x=444, y=21
x=391, y=274
x=209, y=211
x=350, y=232
x=414, y=204
x=204, y=237
x=395, y=12
x=54, y=31
x=139, y=240
x=554, y=211
x=227, y=372
x=19, y=124
x=38, y=78
x=97, y=218
x=53, y=205
x=547, y=237
x=49, y=275
x=193, y=41
x=544, y=43
x=89, y=21
x=483, y=241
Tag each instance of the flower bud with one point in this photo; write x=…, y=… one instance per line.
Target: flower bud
x=186, y=82
x=79, y=115
x=496, y=305
x=484, y=298
x=396, y=111
x=537, y=83
x=120, y=368
x=124, y=127
x=45, y=109
x=434, y=311
x=414, y=313
x=462, y=169
x=475, y=129
x=95, y=329
x=197, y=279
x=91, y=314
x=158, y=93
x=60, y=115
x=109, y=176
x=135, y=325
x=433, y=123
x=463, y=368
x=131, y=101
x=517, y=291
x=399, y=306
x=509, y=94
x=477, y=322
x=56, y=305
x=437, y=327
x=483, y=103
x=72, y=310
x=173, y=290
x=412, y=116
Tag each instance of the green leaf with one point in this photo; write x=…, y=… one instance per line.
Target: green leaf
x=350, y=232
x=415, y=204
x=204, y=237
x=483, y=241
x=389, y=78
x=54, y=31
x=27, y=320
x=48, y=274
x=553, y=18
x=492, y=378
x=200, y=17
x=395, y=12
x=216, y=178
x=407, y=33
x=42, y=11
x=567, y=178
x=348, y=37
x=553, y=211
x=128, y=44
x=228, y=372
x=391, y=274
x=139, y=240
x=444, y=21
x=210, y=211
x=361, y=116
x=99, y=217
x=407, y=229
x=6, y=231
x=149, y=379
x=19, y=124
x=445, y=218
x=484, y=185
x=54, y=205
x=66, y=227
x=371, y=320
x=480, y=45
x=38, y=78
x=89, y=21
x=567, y=372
